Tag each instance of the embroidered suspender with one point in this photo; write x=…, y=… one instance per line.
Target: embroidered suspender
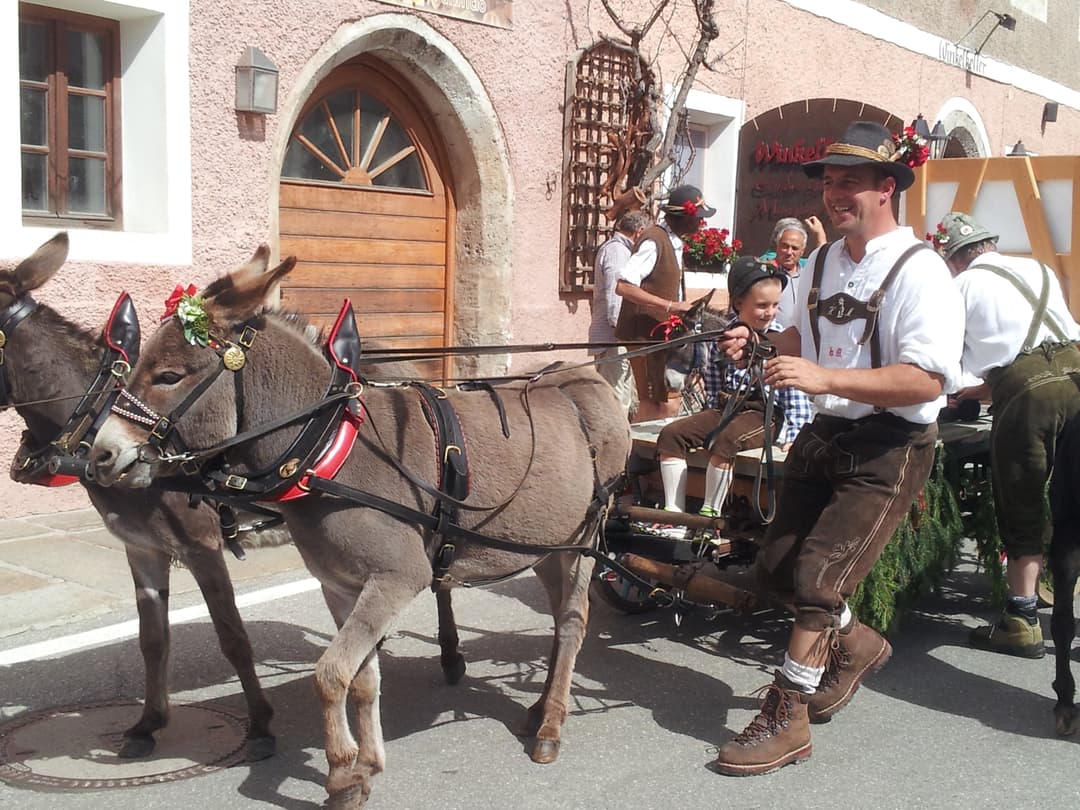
x=842, y=308
x=1040, y=316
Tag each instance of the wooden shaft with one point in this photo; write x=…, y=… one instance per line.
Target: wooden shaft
x=644, y=513
x=697, y=586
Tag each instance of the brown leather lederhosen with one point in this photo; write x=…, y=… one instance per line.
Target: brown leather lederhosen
x=635, y=323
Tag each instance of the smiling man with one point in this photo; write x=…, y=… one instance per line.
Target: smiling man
x=876, y=343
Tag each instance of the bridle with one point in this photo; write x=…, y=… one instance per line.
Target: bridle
x=63, y=460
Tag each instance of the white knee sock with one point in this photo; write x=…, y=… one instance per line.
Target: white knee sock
x=804, y=677
x=717, y=484
x=673, y=474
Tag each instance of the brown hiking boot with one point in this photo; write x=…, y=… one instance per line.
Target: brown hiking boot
x=858, y=651
x=778, y=736
x=1013, y=635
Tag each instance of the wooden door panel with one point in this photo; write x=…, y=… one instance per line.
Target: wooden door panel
x=372, y=226
x=405, y=302
x=389, y=327
x=368, y=276
x=328, y=198
x=369, y=251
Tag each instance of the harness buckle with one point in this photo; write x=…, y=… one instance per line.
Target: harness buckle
x=190, y=466
x=247, y=337
x=354, y=389
x=236, y=482
x=120, y=368
x=161, y=428
x=303, y=483
x=446, y=453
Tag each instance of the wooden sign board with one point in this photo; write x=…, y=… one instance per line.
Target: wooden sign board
x=1032, y=204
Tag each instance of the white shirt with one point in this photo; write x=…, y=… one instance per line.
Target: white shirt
x=642, y=263
x=786, y=312
x=998, y=316
x=921, y=320
x=610, y=258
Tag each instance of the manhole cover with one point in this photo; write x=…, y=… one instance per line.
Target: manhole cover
x=75, y=747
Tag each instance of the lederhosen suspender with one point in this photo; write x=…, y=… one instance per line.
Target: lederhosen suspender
x=842, y=308
x=1040, y=316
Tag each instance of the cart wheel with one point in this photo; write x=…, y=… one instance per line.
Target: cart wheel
x=1045, y=590
x=622, y=594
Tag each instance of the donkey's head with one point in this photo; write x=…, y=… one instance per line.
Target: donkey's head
x=681, y=359
x=183, y=392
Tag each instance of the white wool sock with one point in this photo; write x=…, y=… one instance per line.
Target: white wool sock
x=804, y=677
x=717, y=484
x=673, y=474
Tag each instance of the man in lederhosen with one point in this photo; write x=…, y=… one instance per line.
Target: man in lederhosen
x=651, y=284
x=876, y=343
x=1019, y=340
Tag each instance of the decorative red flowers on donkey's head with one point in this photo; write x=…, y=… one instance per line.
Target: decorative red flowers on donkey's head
x=173, y=301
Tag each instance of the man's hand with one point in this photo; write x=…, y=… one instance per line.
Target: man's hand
x=817, y=233
x=788, y=371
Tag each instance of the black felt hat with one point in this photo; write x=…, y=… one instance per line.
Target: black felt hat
x=864, y=143
x=677, y=203
x=746, y=271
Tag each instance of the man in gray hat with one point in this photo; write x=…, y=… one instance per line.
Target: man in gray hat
x=876, y=343
x=1019, y=339
x=651, y=285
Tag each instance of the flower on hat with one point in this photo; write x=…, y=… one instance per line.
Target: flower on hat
x=911, y=148
x=711, y=246
x=939, y=239
x=689, y=208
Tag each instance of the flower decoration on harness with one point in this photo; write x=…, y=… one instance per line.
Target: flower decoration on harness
x=911, y=148
x=940, y=238
x=711, y=246
x=669, y=327
x=189, y=310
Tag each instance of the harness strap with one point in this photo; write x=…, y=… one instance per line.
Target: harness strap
x=867, y=310
x=1040, y=316
x=9, y=319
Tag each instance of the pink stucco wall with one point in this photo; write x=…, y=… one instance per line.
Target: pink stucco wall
x=773, y=54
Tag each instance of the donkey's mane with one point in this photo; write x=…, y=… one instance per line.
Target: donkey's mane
x=56, y=322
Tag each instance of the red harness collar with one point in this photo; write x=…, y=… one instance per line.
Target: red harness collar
x=330, y=462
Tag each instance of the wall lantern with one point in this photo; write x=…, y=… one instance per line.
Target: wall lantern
x=1019, y=150
x=935, y=140
x=1006, y=21
x=256, y=83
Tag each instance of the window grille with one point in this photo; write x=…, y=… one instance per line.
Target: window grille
x=607, y=124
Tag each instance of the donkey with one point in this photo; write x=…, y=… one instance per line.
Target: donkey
x=46, y=358
x=1064, y=562
x=541, y=457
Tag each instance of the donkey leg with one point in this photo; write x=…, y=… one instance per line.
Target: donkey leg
x=566, y=578
x=150, y=573
x=1065, y=567
x=452, y=661
x=212, y=575
x=350, y=666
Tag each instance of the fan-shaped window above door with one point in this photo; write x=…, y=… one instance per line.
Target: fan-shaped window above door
x=352, y=139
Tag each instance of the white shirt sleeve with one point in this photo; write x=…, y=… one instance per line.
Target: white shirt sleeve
x=640, y=264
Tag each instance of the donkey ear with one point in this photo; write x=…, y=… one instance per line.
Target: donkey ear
x=247, y=289
x=35, y=270
x=698, y=306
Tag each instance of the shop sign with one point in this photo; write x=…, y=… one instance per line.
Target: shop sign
x=499, y=13
x=961, y=57
x=773, y=146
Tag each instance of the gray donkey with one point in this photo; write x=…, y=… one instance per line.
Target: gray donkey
x=48, y=362
x=542, y=457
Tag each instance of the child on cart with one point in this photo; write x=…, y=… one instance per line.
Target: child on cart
x=754, y=288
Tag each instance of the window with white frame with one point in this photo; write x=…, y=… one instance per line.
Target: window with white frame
x=69, y=98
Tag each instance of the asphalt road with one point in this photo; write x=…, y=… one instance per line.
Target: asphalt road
x=941, y=726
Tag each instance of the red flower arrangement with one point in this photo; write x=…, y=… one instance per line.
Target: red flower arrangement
x=710, y=246
x=690, y=208
x=173, y=301
x=911, y=148
x=940, y=238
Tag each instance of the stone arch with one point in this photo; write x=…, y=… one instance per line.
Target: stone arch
x=448, y=87
x=964, y=124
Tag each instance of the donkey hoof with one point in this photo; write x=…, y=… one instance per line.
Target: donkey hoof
x=1065, y=720
x=545, y=751
x=454, y=671
x=352, y=798
x=136, y=747
x=260, y=748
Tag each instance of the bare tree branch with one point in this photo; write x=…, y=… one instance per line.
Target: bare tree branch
x=634, y=33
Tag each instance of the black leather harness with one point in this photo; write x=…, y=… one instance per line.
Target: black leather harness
x=63, y=460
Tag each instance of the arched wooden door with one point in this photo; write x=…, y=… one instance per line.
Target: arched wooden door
x=366, y=209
